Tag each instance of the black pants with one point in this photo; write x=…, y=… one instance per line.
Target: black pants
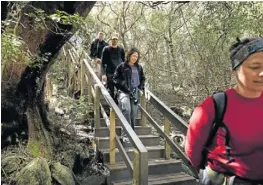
x=110, y=85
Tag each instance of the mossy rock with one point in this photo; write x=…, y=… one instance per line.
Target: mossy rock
x=12, y=164
x=94, y=180
x=35, y=173
x=62, y=174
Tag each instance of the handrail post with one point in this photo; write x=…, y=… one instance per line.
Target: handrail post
x=143, y=105
x=97, y=107
x=167, y=130
x=136, y=170
x=112, y=136
x=143, y=168
x=82, y=72
x=89, y=87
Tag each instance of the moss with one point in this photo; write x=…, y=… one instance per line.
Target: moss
x=11, y=164
x=62, y=174
x=39, y=144
x=33, y=148
x=35, y=173
x=38, y=149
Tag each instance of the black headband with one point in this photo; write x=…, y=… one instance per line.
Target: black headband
x=242, y=52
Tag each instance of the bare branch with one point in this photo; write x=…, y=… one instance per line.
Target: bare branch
x=137, y=19
x=190, y=34
x=98, y=17
x=154, y=4
x=113, y=10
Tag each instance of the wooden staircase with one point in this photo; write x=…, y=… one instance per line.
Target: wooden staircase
x=161, y=171
x=128, y=162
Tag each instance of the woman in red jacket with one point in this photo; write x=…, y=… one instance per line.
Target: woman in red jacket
x=243, y=119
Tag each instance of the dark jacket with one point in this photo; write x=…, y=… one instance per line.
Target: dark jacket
x=123, y=74
x=96, y=48
x=111, y=58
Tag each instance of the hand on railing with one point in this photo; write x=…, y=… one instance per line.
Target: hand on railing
x=104, y=78
x=141, y=92
x=97, y=61
x=133, y=98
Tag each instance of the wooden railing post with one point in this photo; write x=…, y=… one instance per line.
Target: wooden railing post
x=82, y=79
x=89, y=88
x=167, y=130
x=143, y=105
x=97, y=107
x=112, y=136
x=136, y=166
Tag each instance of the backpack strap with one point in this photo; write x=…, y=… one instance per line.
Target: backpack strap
x=220, y=105
x=220, y=101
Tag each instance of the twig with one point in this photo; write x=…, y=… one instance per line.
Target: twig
x=98, y=17
x=75, y=177
x=190, y=34
x=10, y=181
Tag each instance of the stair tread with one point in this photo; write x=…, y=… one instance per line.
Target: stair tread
x=151, y=162
x=115, y=118
x=177, y=177
x=157, y=147
x=121, y=127
x=158, y=179
x=140, y=136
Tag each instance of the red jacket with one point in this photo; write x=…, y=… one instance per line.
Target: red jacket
x=244, y=120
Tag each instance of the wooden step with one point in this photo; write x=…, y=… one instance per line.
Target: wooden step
x=103, y=124
x=104, y=131
x=169, y=179
x=154, y=152
x=147, y=140
x=119, y=171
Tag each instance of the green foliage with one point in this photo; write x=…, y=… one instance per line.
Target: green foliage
x=38, y=17
x=13, y=49
x=184, y=48
x=67, y=19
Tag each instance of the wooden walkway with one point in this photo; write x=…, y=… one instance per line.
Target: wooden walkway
x=144, y=160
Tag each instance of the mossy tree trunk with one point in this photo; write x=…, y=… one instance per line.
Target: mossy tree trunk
x=23, y=94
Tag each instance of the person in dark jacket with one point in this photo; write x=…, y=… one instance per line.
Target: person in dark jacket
x=112, y=56
x=129, y=80
x=96, y=49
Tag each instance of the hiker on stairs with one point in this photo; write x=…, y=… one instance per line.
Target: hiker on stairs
x=96, y=49
x=225, y=134
x=129, y=80
x=112, y=56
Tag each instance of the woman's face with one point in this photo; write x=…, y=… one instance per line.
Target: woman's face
x=250, y=73
x=134, y=57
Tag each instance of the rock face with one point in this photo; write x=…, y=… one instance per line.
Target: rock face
x=35, y=173
x=62, y=174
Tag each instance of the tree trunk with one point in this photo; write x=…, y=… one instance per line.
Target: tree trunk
x=23, y=93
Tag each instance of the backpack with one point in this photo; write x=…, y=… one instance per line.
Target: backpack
x=220, y=104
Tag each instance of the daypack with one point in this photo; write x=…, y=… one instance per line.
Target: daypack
x=220, y=105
